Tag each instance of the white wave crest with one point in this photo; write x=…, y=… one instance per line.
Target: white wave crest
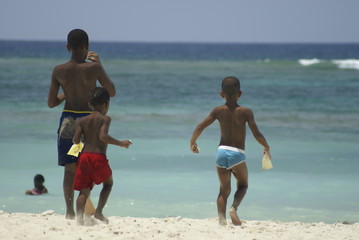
x=308, y=62
x=347, y=63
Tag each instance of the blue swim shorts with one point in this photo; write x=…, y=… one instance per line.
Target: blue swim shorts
x=67, y=127
x=228, y=157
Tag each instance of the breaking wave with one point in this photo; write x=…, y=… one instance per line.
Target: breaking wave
x=347, y=63
x=340, y=63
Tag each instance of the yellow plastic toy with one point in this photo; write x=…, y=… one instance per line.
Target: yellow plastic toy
x=75, y=149
x=266, y=161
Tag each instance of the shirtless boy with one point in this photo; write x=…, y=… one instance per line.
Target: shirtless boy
x=76, y=78
x=230, y=156
x=93, y=165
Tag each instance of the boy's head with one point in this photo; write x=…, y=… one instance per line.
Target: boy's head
x=231, y=86
x=98, y=96
x=77, y=39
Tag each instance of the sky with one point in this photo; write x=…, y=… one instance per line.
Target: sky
x=232, y=21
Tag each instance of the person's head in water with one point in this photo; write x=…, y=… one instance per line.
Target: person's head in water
x=39, y=181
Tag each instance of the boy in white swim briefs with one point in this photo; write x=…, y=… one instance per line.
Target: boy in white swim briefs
x=231, y=157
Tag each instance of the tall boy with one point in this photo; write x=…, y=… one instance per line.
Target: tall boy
x=93, y=165
x=76, y=78
x=230, y=156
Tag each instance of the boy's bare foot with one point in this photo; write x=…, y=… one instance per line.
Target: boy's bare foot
x=89, y=221
x=101, y=217
x=70, y=215
x=222, y=221
x=234, y=217
x=80, y=221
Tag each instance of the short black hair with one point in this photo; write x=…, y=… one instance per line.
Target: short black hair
x=98, y=96
x=77, y=39
x=231, y=85
x=39, y=178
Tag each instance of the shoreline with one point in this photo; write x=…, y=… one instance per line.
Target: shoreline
x=50, y=225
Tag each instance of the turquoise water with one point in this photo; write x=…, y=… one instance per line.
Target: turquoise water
x=308, y=111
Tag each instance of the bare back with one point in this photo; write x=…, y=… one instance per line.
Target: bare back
x=232, y=119
x=93, y=127
x=233, y=125
x=76, y=80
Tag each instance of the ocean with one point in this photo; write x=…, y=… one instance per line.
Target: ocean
x=305, y=99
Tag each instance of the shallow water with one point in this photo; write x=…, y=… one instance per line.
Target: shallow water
x=308, y=114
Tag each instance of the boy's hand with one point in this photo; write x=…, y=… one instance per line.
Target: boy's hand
x=93, y=56
x=267, y=152
x=126, y=143
x=61, y=97
x=194, y=148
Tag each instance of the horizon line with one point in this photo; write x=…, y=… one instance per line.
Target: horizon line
x=185, y=42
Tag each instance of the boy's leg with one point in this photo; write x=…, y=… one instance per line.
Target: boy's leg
x=69, y=174
x=240, y=172
x=224, y=177
x=105, y=193
x=80, y=204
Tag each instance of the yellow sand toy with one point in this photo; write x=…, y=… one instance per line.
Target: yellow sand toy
x=266, y=161
x=75, y=149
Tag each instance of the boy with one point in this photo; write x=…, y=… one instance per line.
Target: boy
x=39, y=187
x=92, y=164
x=76, y=78
x=230, y=156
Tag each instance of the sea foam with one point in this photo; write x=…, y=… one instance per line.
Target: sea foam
x=308, y=62
x=347, y=63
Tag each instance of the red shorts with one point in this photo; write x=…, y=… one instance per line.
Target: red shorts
x=91, y=168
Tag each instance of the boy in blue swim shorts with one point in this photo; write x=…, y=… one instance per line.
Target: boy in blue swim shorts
x=232, y=119
x=76, y=78
x=229, y=157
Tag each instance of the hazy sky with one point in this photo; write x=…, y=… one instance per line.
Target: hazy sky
x=183, y=20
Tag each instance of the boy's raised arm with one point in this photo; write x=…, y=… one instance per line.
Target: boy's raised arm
x=106, y=82
x=103, y=78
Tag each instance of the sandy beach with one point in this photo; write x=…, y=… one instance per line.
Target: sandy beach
x=50, y=225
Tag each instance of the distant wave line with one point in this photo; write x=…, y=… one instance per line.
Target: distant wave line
x=341, y=63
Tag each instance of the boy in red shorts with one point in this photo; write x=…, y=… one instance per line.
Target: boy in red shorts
x=92, y=166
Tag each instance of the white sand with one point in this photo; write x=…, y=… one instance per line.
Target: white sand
x=54, y=226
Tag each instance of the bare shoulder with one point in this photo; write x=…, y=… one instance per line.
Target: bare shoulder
x=57, y=69
x=85, y=118
x=218, y=110
x=61, y=69
x=105, y=119
x=92, y=69
x=73, y=65
x=243, y=111
x=93, y=65
x=62, y=66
